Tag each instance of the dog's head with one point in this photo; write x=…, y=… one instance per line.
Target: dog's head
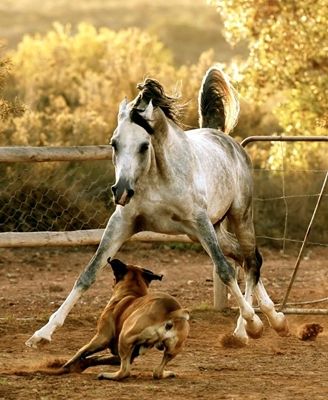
x=131, y=274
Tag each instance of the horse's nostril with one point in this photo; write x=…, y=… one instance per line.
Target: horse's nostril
x=130, y=193
x=114, y=190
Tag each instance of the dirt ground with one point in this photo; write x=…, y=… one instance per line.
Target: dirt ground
x=34, y=282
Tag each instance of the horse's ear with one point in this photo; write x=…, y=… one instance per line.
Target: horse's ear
x=123, y=109
x=147, y=113
x=119, y=269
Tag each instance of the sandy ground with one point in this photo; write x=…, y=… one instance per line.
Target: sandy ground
x=33, y=283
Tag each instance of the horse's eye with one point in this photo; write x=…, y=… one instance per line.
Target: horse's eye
x=143, y=148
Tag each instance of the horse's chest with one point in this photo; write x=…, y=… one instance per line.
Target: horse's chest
x=159, y=219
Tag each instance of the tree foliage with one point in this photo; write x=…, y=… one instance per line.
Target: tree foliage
x=7, y=108
x=288, y=60
x=288, y=45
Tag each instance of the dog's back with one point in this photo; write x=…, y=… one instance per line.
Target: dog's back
x=154, y=318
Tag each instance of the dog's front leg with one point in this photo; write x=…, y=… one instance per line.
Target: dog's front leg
x=118, y=230
x=122, y=373
x=125, y=350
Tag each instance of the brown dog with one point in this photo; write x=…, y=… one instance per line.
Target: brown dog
x=134, y=321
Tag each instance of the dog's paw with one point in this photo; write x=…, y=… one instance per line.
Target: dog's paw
x=105, y=376
x=113, y=376
x=163, y=374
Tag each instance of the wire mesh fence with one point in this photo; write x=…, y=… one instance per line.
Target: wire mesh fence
x=283, y=206
x=55, y=196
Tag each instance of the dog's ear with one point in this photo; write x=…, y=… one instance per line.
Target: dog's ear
x=150, y=276
x=119, y=269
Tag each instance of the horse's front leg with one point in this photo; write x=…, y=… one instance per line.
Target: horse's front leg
x=118, y=230
x=207, y=237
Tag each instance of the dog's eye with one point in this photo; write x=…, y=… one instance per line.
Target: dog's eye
x=143, y=148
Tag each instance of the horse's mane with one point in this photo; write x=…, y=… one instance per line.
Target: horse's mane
x=152, y=90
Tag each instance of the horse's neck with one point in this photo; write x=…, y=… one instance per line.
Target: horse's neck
x=170, y=145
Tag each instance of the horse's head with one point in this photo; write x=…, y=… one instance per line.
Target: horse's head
x=139, y=122
x=131, y=143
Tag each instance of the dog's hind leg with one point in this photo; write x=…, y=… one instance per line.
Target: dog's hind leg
x=159, y=372
x=173, y=346
x=96, y=344
x=99, y=342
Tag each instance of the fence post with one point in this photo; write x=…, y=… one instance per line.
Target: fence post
x=220, y=293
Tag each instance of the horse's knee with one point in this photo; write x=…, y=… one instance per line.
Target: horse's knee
x=225, y=272
x=85, y=280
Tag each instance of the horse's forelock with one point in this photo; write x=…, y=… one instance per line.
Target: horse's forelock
x=152, y=90
x=140, y=120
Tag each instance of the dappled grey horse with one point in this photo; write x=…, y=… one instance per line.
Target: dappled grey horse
x=176, y=182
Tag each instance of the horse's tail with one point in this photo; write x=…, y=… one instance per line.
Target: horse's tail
x=218, y=101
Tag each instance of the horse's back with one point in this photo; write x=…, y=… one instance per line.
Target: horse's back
x=216, y=145
x=223, y=168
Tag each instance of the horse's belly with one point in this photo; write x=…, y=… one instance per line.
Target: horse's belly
x=164, y=220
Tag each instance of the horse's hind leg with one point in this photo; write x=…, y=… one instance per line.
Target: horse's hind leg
x=244, y=230
x=230, y=248
x=228, y=242
x=207, y=237
x=252, y=267
x=276, y=319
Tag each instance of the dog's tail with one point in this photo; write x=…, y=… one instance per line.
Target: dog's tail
x=182, y=313
x=218, y=101
x=176, y=317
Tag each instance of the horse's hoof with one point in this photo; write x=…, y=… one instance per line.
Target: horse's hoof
x=254, y=328
x=234, y=341
x=281, y=326
x=36, y=341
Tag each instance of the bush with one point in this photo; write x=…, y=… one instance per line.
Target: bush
x=72, y=83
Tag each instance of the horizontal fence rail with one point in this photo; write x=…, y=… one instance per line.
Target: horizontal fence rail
x=77, y=238
x=53, y=153
x=281, y=138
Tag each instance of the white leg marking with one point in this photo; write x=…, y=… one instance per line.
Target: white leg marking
x=117, y=231
x=276, y=319
x=240, y=331
x=56, y=319
x=254, y=325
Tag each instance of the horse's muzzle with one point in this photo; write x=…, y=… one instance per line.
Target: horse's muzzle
x=122, y=192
